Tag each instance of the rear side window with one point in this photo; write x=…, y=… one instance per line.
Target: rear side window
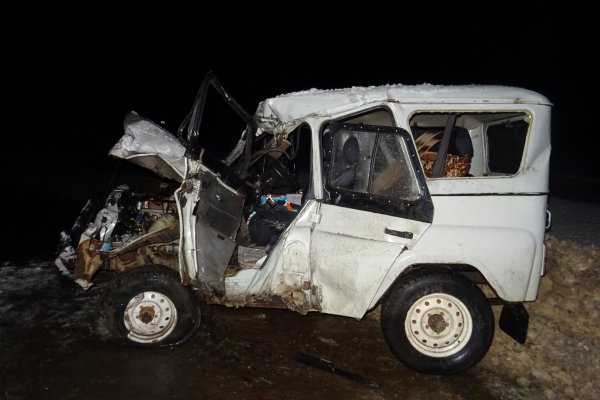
x=479, y=143
x=505, y=145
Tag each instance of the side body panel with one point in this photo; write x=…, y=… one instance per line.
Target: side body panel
x=501, y=236
x=351, y=254
x=495, y=223
x=284, y=277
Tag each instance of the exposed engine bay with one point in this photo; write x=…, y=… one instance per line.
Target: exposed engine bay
x=107, y=234
x=127, y=215
x=131, y=227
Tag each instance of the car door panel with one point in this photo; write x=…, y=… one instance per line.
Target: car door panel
x=361, y=232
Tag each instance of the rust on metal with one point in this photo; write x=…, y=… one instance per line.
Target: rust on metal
x=437, y=322
x=290, y=300
x=146, y=314
x=156, y=248
x=89, y=259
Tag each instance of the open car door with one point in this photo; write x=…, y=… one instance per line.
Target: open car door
x=211, y=198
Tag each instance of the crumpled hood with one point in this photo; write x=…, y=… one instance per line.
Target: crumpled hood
x=150, y=146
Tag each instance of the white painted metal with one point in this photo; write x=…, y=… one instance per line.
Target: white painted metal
x=501, y=236
x=287, y=264
x=237, y=286
x=352, y=254
x=149, y=317
x=151, y=146
x=438, y=325
x=291, y=107
x=493, y=223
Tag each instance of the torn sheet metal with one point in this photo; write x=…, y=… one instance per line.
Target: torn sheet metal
x=150, y=146
x=159, y=247
x=131, y=229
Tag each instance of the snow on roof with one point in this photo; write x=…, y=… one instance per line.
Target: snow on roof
x=291, y=106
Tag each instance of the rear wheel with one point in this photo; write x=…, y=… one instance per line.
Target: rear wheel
x=148, y=306
x=438, y=323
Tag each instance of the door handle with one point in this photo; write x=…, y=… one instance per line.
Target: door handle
x=402, y=234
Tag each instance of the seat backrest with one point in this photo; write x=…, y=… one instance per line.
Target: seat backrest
x=351, y=150
x=460, y=150
x=350, y=154
x=463, y=146
x=428, y=139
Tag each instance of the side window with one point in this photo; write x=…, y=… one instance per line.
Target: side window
x=370, y=160
x=478, y=143
x=392, y=174
x=376, y=169
x=505, y=146
x=351, y=160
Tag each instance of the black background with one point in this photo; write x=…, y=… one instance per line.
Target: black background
x=74, y=70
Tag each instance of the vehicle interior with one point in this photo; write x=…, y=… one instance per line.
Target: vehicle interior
x=481, y=143
x=279, y=180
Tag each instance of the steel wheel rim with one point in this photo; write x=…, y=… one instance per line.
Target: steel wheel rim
x=149, y=317
x=438, y=325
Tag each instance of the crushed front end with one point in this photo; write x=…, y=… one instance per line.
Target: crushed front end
x=129, y=227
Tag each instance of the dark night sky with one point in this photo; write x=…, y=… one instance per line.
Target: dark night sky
x=75, y=70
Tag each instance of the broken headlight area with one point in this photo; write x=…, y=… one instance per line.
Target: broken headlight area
x=127, y=226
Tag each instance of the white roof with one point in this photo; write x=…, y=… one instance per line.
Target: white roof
x=292, y=106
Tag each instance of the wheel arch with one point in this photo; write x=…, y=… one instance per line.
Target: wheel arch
x=149, y=267
x=467, y=271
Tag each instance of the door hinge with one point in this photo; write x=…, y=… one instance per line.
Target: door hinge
x=314, y=218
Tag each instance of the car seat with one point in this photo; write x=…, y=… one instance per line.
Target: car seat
x=460, y=150
x=350, y=154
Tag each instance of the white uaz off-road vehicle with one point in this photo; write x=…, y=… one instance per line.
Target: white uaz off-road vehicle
x=418, y=198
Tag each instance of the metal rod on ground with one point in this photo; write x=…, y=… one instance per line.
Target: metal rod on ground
x=330, y=367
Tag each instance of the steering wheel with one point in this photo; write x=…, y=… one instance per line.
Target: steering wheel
x=281, y=174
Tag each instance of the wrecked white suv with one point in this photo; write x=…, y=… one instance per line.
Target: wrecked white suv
x=418, y=198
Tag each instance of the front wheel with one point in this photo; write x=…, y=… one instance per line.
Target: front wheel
x=437, y=323
x=148, y=306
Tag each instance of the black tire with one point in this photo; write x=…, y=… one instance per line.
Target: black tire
x=437, y=323
x=165, y=312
